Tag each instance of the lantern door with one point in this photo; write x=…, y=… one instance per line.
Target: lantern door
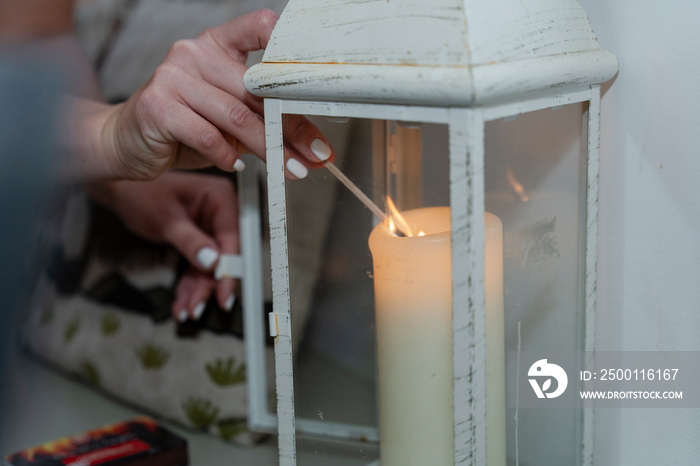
x=503, y=195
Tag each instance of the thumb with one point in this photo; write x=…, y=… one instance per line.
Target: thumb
x=198, y=248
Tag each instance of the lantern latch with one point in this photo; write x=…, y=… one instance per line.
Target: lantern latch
x=272, y=320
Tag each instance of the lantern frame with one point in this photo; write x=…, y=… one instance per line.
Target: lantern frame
x=466, y=161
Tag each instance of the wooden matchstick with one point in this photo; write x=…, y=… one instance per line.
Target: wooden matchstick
x=356, y=191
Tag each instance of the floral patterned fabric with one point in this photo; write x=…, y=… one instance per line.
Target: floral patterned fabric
x=102, y=313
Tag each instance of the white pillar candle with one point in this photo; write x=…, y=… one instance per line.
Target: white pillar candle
x=495, y=342
x=413, y=301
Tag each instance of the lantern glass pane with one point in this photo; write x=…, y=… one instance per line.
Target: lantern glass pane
x=332, y=295
x=535, y=182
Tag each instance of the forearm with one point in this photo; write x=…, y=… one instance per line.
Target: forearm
x=88, y=140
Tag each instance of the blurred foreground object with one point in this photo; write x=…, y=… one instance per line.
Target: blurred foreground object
x=29, y=92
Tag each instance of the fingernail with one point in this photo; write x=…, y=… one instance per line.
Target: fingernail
x=239, y=166
x=198, y=311
x=297, y=169
x=182, y=315
x=230, y=301
x=320, y=149
x=207, y=256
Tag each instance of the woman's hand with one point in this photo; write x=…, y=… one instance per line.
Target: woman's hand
x=197, y=214
x=194, y=112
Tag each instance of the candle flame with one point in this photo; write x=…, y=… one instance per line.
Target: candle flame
x=395, y=221
x=515, y=185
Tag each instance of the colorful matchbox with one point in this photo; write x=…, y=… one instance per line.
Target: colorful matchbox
x=137, y=442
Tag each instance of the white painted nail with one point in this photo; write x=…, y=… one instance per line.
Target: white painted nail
x=230, y=301
x=239, y=166
x=207, y=256
x=320, y=149
x=198, y=310
x=182, y=315
x=297, y=169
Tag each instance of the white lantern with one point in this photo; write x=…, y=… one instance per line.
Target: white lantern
x=440, y=84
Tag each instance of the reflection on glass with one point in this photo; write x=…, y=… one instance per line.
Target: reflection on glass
x=536, y=185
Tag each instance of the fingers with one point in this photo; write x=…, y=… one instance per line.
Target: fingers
x=193, y=291
x=206, y=60
x=308, y=148
x=227, y=113
x=216, y=211
x=168, y=117
x=207, y=140
x=223, y=211
x=205, y=76
x=226, y=295
x=191, y=295
x=246, y=33
x=228, y=76
x=200, y=250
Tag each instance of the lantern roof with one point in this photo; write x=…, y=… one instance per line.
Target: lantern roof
x=429, y=52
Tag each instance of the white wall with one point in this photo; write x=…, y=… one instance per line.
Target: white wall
x=649, y=259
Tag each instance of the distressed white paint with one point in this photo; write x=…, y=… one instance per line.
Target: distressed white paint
x=342, y=31
x=591, y=264
x=280, y=282
x=443, y=52
x=253, y=297
x=435, y=33
x=504, y=58
x=509, y=110
x=382, y=112
x=338, y=430
x=649, y=260
x=422, y=85
x=468, y=317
